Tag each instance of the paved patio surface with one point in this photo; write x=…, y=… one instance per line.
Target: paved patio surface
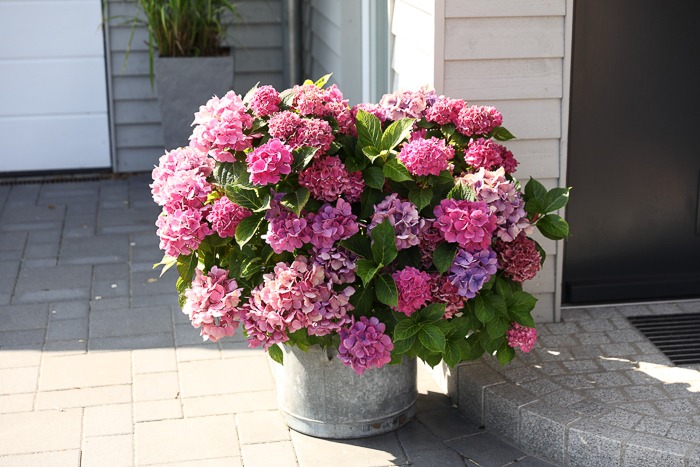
x=98, y=366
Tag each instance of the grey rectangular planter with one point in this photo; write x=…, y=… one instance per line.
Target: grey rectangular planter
x=184, y=84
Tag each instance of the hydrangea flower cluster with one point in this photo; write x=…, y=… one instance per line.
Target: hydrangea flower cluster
x=374, y=228
x=521, y=337
x=364, y=345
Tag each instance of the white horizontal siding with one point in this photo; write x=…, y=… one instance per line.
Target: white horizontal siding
x=256, y=37
x=503, y=8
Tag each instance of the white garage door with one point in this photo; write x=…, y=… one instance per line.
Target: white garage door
x=53, y=97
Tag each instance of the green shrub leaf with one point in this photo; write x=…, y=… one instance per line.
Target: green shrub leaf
x=276, y=354
x=363, y=299
x=387, y=293
x=553, y=227
x=303, y=157
x=373, y=177
x=369, y=129
x=367, y=269
x=556, y=198
x=396, y=171
x=296, y=200
x=432, y=338
x=431, y=313
x=358, y=244
x=405, y=329
x=444, y=256
x=421, y=197
x=396, y=132
x=501, y=134
x=247, y=228
x=384, y=247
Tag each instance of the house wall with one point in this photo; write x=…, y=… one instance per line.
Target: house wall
x=256, y=36
x=511, y=54
x=331, y=38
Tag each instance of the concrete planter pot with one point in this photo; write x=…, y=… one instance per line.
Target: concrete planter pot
x=184, y=84
x=321, y=397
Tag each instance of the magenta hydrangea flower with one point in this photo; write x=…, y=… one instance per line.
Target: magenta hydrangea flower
x=181, y=231
x=414, y=289
x=221, y=126
x=309, y=99
x=265, y=101
x=181, y=160
x=471, y=270
x=470, y=224
x=426, y=156
x=212, y=302
x=332, y=224
x=355, y=186
x=484, y=153
x=403, y=216
x=313, y=132
x=477, y=120
x=504, y=200
x=286, y=231
x=521, y=337
x=338, y=263
x=267, y=162
x=444, y=291
x=283, y=125
x=364, y=345
x=519, y=259
x=408, y=104
x=444, y=110
x=326, y=178
x=225, y=215
x=429, y=239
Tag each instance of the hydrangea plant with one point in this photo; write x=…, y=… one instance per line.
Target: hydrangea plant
x=382, y=230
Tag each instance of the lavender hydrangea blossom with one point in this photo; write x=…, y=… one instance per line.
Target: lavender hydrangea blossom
x=403, y=216
x=470, y=271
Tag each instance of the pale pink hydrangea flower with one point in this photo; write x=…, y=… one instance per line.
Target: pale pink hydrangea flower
x=426, y=156
x=283, y=125
x=521, y=337
x=504, y=200
x=470, y=224
x=332, y=224
x=265, y=101
x=444, y=291
x=485, y=153
x=183, y=189
x=444, y=110
x=267, y=162
x=312, y=132
x=403, y=216
x=178, y=160
x=225, y=215
x=181, y=231
x=408, y=104
x=220, y=126
x=519, y=259
x=478, y=120
x=212, y=302
x=364, y=345
x=414, y=289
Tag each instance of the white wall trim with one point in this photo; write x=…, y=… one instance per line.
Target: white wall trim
x=439, y=47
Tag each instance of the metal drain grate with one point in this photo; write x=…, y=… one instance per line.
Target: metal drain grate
x=677, y=336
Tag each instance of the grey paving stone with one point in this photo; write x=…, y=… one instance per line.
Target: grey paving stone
x=563, y=328
x=110, y=288
x=645, y=449
x=582, y=366
x=41, y=250
x=588, y=408
x=144, y=341
x=443, y=457
x=33, y=217
x=684, y=432
x=681, y=390
x=79, y=226
x=543, y=430
x=10, y=255
x=553, y=368
x=130, y=322
x=574, y=314
x=424, y=402
x=610, y=379
x=447, y=424
x=603, y=312
x=640, y=378
x=621, y=418
x=607, y=395
x=618, y=350
x=690, y=306
x=95, y=250
x=677, y=407
x=127, y=220
x=574, y=381
x=67, y=347
x=564, y=397
x=486, y=449
x=646, y=348
x=502, y=405
x=647, y=392
x=186, y=335
x=520, y=375
x=596, y=325
x=68, y=329
x=149, y=283
x=57, y=283
x=16, y=317
x=472, y=381
x=530, y=461
x=107, y=304
x=625, y=336
x=12, y=241
x=633, y=310
x=68, y=310
x=643, y=408
x=414, y=436
x=592, y=444
x=106, y=272
x=616, y=364
x=39, y=237
x=556, y=340
x=22, y=337
x=540, y=387
x=653, y=425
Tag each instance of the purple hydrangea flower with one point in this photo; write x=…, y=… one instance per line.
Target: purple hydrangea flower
x=364, y=345
x=403, y=216
x=332, y=224
x=470, y=271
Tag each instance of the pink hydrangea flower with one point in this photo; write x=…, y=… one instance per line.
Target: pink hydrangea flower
x=414, y=289
x=519, y=259
x=364, y=345
x=326, y=178
x=286, y=231
x=265, y=101
x=477, y=120
x=521, y=337
x=332, y=224
x=225, y=216
x=309, y=99
x=504, y=200
x=408, y=104
x=355, y=186
x=403, y=216
x=331, y=310
x=467, y=223
x=426, y=156
x=181, y=231
x=283, y=125
x=444, y=291
x=211, y=303
x=429, y=239
x=484, y=153
x=338, y=263
x=312, y=132
x=444, y=110
x=184, y=188
x=221, y=126
x=187, y=160
x=267, y=162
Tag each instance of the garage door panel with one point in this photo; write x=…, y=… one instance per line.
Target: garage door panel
x=52, y=86
x=51, y=28
x=77, y=142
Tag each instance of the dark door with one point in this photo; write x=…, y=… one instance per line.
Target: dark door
x=634, y=152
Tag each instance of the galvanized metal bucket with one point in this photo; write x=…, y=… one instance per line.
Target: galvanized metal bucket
x=321, y=397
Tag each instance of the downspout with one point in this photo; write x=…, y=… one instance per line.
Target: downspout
x=294, y=45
